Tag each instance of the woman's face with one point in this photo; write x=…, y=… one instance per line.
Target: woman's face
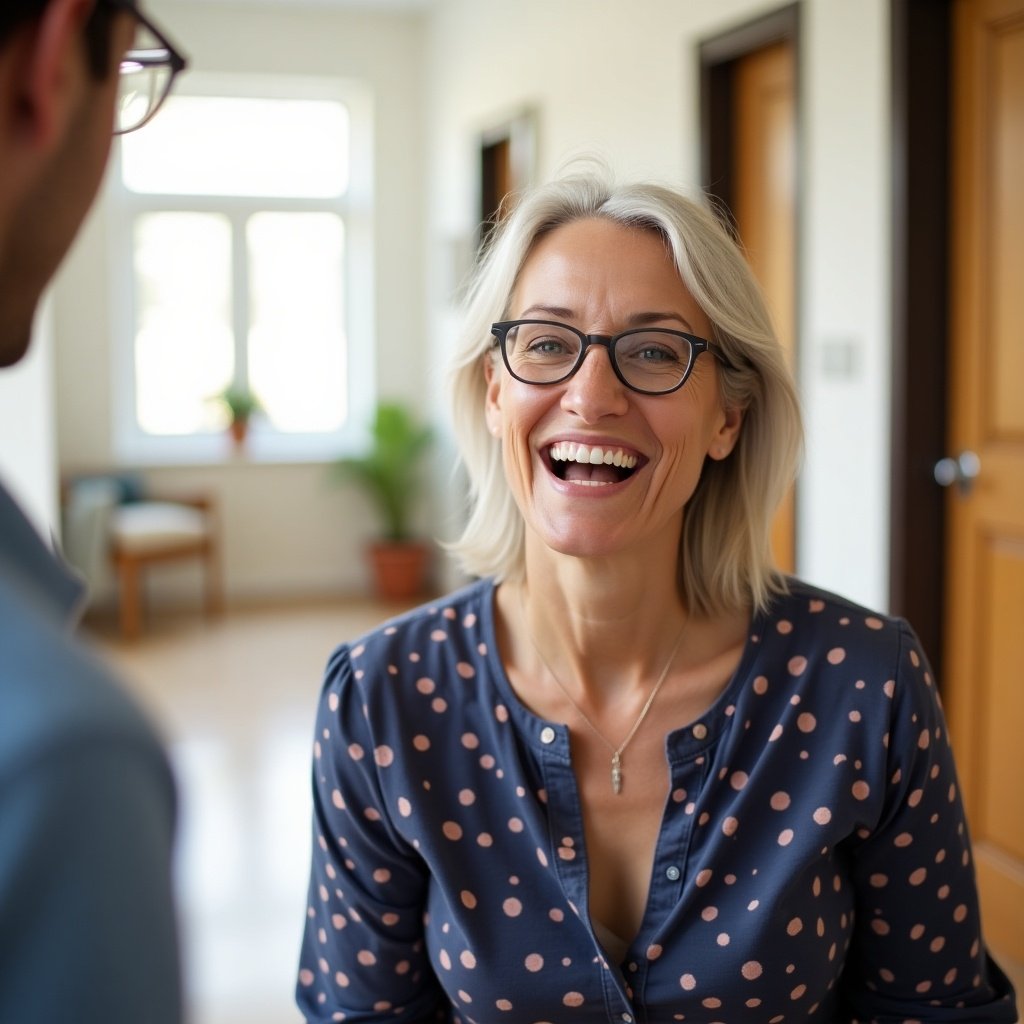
x=604, y=278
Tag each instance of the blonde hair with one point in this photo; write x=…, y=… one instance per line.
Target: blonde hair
x=724, y=549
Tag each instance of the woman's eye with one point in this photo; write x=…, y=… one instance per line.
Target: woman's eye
x=547, y=346
x=655, y=354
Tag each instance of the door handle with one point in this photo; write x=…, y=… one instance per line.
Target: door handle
x=960, y=471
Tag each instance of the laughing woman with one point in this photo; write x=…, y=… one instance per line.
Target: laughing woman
x=633, y=773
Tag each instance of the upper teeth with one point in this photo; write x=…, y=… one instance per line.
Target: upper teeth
x=569, y=451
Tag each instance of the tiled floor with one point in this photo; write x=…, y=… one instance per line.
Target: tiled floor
x=235, y=700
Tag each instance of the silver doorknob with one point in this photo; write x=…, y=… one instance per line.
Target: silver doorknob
x=960, y=471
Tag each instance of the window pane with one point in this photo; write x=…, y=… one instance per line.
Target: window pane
x=297, y=334
x=219, y=145
x=184, y=348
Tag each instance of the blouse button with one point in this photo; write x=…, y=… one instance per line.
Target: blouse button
x=627, y=1018
x=672, y=874
x=547, y=734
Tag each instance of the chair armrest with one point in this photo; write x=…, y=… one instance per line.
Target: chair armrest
x=205, y=502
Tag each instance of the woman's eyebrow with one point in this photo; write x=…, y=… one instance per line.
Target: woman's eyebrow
x=642, y=319
x=635, y=320
x=558, y=312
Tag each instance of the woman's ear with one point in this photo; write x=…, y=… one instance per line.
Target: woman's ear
x=727, y=433
x=492, y=399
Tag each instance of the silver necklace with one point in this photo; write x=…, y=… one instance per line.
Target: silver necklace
x=616, y=751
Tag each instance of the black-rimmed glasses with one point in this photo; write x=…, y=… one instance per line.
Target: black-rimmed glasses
x=147, y=71
x=650, y=360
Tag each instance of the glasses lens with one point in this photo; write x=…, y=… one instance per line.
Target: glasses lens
x=541, y=353
x=653, y=361
x=144, y=81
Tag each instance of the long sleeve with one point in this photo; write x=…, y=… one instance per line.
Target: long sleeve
x=363, y=952
x=812, y=859
x=88, y=930
x=87, y=922
x=917, y=951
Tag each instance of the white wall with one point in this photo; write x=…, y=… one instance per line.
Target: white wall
x=845, y=298
x=619, y=78
x=28, y=465
x=288, y=531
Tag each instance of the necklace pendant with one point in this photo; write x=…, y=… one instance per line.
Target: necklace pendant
x=616, y=774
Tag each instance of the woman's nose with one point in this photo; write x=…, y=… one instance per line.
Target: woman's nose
x=595, y=390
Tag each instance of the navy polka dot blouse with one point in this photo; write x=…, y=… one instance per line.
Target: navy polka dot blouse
x=813, y=862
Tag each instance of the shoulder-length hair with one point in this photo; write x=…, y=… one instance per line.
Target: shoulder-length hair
x=725, y=560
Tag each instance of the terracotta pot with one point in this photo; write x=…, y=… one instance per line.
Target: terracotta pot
x=239, y=431
x=399, y=569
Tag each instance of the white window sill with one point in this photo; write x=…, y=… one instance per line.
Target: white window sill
x=260, y=448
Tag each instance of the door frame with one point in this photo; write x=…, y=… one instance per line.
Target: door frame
x=719, y=56
x=513, y=142
x=921, y=70
x=921, y=76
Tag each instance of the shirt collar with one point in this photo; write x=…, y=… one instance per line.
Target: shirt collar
x=30, y=567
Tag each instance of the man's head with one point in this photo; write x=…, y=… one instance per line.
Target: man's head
x=59, y=72
x=96, y=31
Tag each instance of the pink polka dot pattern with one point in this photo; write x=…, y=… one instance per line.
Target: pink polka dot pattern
x=797, y=665
x=813, y=814
x=534, y=963
x=836, y=656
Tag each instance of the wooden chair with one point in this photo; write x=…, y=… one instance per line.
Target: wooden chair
x=157, y=530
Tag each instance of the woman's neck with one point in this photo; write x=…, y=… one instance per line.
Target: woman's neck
x=604, y=624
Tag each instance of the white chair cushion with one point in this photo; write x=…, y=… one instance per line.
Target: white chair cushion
x=154, y=525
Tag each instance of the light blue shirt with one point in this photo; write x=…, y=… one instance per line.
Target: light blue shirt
x=87, y=811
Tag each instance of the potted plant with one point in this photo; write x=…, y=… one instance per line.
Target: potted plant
x=241, y=404
x=389, y=472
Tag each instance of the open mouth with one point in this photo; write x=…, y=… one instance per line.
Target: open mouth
x=590, y=464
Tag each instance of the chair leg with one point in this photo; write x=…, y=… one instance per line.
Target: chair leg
x=130, y=598
x=214, y=581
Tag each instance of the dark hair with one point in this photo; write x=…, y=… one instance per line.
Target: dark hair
x=14, y=13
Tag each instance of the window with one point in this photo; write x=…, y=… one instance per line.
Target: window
x=242, y=234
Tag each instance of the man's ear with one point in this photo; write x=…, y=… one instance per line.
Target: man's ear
x=46, y=71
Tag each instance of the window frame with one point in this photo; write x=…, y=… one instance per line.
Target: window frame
x=132, y=445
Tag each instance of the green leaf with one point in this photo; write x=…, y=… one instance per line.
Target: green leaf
x=389, y=469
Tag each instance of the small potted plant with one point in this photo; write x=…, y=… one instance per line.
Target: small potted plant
x=389, y=472
x=240, y=404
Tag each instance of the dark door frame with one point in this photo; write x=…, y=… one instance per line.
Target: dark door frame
x=920, y=108
x=718, y=56
x=507, y=164
x=921, y=70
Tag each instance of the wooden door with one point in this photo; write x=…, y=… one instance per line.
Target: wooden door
x=496, y=181
x=507, y=165
x=764, y=208
x=984, y=654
